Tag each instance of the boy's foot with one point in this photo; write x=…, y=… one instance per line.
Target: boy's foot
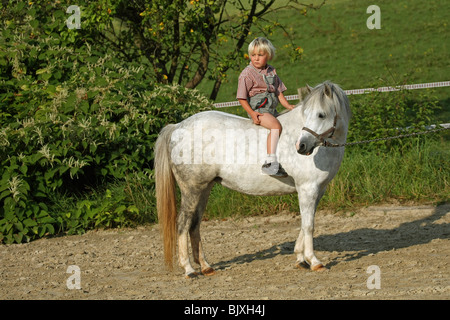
x=273, y=169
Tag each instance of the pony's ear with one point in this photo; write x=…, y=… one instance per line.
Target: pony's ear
x=309, y=88
x=328, y=91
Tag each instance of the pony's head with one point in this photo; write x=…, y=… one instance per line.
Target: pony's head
x=326, y=113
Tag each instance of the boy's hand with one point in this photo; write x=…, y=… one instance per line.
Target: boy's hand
x=253, y=114
x=284, y=102
x=255, y=117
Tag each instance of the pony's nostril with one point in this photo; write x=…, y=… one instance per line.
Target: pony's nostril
x=302, y=148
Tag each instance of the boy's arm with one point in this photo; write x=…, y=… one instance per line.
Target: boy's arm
x=284, y=102
x=254, y=114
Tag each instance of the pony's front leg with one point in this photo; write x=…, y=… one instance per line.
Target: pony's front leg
x=299, y=249
x=304, y=247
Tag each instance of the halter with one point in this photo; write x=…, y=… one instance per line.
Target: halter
x=327, y=134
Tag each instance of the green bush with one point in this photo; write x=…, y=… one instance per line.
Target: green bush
x=73, y=120
x=386, y=114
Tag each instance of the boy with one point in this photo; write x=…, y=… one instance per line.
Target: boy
x=259, y=91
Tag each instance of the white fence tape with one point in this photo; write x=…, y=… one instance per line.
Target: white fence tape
x=359, y=91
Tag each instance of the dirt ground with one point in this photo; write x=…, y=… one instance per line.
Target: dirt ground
x=253, y=257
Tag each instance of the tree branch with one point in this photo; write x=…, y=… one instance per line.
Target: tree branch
x=204, y=50
x=202, y=67
x=176, y=48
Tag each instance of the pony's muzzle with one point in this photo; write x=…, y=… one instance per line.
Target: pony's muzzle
x=306, y=144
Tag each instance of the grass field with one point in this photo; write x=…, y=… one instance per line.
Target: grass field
x=410, y=47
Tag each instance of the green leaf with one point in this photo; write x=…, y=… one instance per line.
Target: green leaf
x=41, y=231
x=41, y=71
x=120, y=209
x=46, y=76
x=4, y=194
x=29, y=223
x=19, y=225
x=23, y=169
x=47, y=220
x=18, y=237
x=84, y=107
x=40, y=194
x=50, y=228
x=34, y=24
x=101, y=82
x=133, y=209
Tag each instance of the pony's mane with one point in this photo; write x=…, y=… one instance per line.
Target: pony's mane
x=328, y=96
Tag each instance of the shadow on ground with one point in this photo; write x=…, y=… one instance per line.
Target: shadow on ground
x=362, y=242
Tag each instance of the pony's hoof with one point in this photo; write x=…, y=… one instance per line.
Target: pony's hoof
x=192, y=275
x=209, y=272
x=302, y=265
x=318, y=267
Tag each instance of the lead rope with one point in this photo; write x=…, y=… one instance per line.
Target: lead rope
x=337, y=145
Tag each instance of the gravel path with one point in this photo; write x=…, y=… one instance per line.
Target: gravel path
x=409, y=247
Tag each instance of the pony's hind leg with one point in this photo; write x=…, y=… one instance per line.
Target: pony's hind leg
x=183, y=255
x=191, y=211
x=198, y=253
x=194, y=232
x=184, y=222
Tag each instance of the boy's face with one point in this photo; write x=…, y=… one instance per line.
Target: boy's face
x=259, y=58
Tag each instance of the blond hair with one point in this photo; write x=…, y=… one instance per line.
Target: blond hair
x=263, y=45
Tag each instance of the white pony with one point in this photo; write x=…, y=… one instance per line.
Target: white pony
x=215, y=147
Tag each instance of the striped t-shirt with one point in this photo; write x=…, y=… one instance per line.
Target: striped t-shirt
x=251, y=82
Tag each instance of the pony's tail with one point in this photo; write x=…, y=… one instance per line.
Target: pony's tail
x=165, y=194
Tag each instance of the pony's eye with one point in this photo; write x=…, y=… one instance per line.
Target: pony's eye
x=321, y=115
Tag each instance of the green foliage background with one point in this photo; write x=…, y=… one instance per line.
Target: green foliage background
x=78, y=123
x=75, y=119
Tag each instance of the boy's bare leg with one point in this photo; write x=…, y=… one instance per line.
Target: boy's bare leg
x=268, y=121
x=271, y=166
